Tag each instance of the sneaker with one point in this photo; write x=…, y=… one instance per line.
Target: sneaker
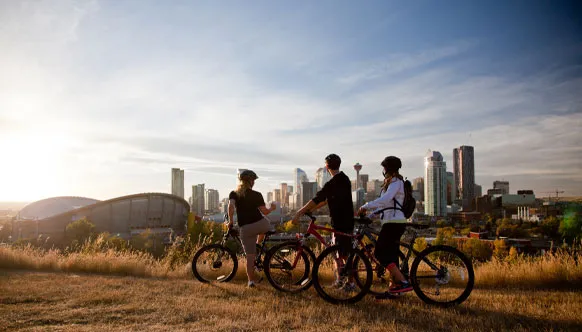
x=401, y=287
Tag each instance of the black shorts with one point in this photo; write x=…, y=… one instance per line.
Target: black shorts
x=345, y=242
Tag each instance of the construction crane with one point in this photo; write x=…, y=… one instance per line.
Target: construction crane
x=557, y=192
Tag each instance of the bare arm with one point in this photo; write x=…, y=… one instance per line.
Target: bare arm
x=310, y=206
x=265, y=211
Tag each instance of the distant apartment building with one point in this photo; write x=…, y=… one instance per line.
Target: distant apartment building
x=270, y=196
x=418, y=185
x=211, y=200
x=198, y=193
x=502, y=186
x=435, y=184
x=178, y=182
x=358, y=197
x=464, y=171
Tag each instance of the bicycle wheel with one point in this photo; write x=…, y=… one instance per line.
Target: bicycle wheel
x=214, y=263
x=381, y=276
x=334, y=276
x=442, y=275
x=288, y=267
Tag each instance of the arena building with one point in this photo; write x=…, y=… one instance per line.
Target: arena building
x=123, y=216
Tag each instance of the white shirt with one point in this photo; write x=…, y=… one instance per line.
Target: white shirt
x=386, y=200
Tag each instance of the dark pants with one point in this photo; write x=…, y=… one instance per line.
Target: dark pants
x=387, y=246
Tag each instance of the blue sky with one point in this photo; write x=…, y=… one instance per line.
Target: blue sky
x=102, y=98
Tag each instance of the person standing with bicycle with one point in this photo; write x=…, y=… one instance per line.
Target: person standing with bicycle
x=337, y=193
x=393, y=224
x=250, y=209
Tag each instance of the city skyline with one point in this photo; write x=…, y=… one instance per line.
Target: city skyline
x=100, y=98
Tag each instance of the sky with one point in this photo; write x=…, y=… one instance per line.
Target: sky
x=102, y=98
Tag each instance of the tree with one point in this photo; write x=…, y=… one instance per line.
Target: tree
x=571, y=225
x=445, y=236
x=550, y=226
x=477, y=249
x=80, y=230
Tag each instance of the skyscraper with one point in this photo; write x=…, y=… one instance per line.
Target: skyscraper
x=284, y=195
x=435, y=184
x=277, y=195
x=308, y=190
x=364, y=181
x=451, y=188
x=503, y=186
x=198, y=199
x=178, y=182
x=464, y=170
x=299, y=176
x=211, y=200
x=321, y=177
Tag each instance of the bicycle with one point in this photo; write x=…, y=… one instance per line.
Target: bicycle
x=281, y=264
x=432, y=271
x=218, y=263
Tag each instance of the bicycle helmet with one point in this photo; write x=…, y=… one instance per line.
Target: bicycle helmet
x=391, y=163
x=248, y=175
x=333, y=161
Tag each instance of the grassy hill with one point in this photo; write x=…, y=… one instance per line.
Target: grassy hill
x=123, y=290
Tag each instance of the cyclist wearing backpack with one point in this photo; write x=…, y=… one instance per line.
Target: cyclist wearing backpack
x=390, y=206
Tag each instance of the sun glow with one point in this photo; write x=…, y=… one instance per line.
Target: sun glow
x=32, y=165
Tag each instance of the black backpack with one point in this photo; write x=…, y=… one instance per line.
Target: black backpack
x=409, y=204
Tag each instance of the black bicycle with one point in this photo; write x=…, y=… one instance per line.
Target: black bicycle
x=218, y=263
x=440, y=275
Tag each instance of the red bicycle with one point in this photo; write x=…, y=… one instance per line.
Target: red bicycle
x=285, y=274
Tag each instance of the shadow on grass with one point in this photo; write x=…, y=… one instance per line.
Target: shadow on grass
x=410, y=311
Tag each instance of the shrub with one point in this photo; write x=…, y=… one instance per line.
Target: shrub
x=476, y=249
x=80, y=230
x=500, y=251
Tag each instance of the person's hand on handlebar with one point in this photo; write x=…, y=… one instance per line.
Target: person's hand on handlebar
x=361, y=212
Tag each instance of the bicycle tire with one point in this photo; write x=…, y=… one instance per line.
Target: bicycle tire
x=222, y=277
x=443, y=275
x=325, y=291
x=272, y=263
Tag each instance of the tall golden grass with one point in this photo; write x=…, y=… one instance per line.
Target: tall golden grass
x=559, y=270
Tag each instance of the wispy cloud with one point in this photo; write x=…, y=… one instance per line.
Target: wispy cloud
x=114, y=103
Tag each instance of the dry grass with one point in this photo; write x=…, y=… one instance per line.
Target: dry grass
x=71, y=302
x=152, y=296
x=107, y=262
